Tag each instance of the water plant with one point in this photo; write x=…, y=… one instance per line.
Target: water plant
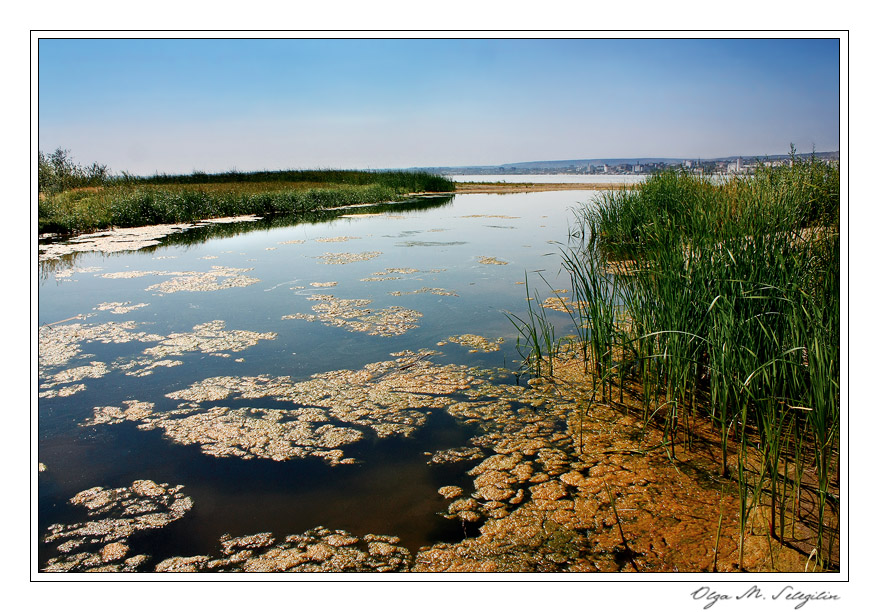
x=722, y=298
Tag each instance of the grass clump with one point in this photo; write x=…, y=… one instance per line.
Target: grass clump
x=723, y=299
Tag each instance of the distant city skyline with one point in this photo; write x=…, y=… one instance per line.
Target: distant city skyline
x=175, y=105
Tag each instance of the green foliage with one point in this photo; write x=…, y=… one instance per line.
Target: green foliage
x=401, y=181
x=131, y=201
x=57, y=172
x=728, y=303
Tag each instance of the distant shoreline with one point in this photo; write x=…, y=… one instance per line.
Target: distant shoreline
x=530, y=187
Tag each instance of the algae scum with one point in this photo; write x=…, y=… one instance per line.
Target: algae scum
x=239, y=398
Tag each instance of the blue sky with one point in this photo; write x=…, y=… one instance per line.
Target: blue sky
x=213, y=104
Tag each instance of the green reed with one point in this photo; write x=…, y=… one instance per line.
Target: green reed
x=728, y=305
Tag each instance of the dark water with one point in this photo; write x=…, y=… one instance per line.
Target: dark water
x=392, y=489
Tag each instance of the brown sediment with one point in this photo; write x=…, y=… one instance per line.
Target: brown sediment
x=606, y=495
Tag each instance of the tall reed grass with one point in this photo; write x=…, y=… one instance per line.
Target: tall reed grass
x=722, y=298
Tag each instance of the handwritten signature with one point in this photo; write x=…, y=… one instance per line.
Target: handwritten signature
x=786, y=593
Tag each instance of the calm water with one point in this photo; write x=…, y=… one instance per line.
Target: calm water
x=391, y=489
x=601, y=179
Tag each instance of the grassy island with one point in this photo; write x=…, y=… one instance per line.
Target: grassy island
x=76, y=199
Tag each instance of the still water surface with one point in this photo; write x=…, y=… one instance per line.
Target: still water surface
x=458, y=263
x=592, y=179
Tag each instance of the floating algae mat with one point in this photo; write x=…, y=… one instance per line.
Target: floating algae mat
x=235, y=397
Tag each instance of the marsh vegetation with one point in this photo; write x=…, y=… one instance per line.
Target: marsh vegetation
x=74, y=198
x=720, y=301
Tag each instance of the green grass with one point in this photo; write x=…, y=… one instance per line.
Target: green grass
x=730, y=308
x=132, y=201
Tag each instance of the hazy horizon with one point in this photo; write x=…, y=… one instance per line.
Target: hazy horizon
x=176, y=105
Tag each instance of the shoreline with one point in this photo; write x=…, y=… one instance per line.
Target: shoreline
x=533, y=187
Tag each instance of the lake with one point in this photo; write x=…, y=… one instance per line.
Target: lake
x=277, y=376
x=600, y=179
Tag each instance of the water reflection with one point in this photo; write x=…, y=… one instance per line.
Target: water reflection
x=51, y=267
x=424, y=400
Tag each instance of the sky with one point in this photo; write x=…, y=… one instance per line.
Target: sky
x=179, y=105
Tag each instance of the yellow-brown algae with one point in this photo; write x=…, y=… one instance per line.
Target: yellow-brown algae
x=552, y=490
x=346, y=258
x=488, y=217
x=60, y=343
x=210, y=338
x=250, y=432
x=464, y=503
x=96, y=369
x=112, y=241
x=492, y=261
x=380, y=278
x=258, y=540
x=69, y=272
x=450, y=492
x=117, y=514
x=352, y=314
x=183, y=564
x=292, y=242
x=119, y=307
x=62, y=392
x=114, y=551
x=455, y=455
x=337, y=239
x=496, y=463
x=390, y=398
x=220, y=277
x=574, y=478
x=433, y=290
x=317, y=550
x=138, y=274
x=149, y=367
x=477, y=343
x=326, y=284
x=109, y=415
x=562, y=304
x=468, y=516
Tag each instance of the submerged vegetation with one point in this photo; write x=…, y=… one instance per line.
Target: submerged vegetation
x=76, y=199
x=720, y=301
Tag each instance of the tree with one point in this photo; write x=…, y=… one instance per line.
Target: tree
x=57, y=172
